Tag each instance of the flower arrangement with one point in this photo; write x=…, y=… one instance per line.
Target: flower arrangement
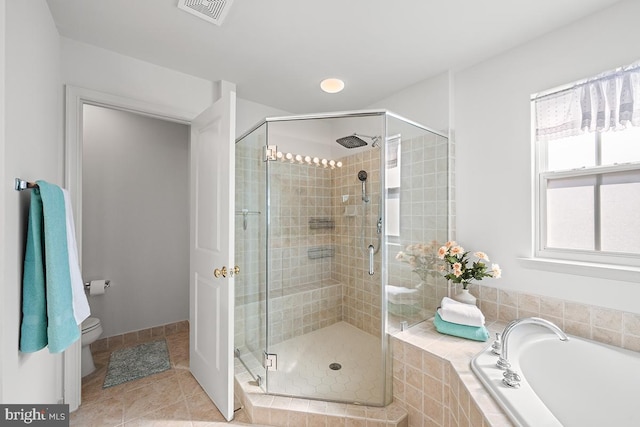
x=421, y=257
x=459, y=267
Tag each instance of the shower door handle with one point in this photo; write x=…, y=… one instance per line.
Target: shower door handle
x=234, y=271
x=371, y=253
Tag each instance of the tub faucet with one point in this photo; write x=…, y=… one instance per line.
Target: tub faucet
x=511, y=378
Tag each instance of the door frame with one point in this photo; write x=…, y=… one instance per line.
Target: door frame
x=75, y=99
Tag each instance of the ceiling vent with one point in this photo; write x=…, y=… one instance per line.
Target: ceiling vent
x=209, y=10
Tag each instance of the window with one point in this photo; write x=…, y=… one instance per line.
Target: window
x=588, y=171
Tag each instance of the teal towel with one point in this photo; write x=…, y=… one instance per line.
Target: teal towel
x=476, y=333
x=33, y=331
x=61, y=327
x=62, y=330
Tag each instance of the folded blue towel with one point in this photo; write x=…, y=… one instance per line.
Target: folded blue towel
x=476, y=333
x=51, y=282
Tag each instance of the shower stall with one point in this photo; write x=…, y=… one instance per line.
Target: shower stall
x=338, y=220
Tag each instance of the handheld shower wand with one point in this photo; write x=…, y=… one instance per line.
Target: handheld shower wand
x=370, y=250
x=362, y=176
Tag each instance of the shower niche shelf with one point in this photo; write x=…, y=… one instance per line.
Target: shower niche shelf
x=317, y=223
x=320, y=252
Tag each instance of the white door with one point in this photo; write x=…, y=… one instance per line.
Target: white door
x=211, y=298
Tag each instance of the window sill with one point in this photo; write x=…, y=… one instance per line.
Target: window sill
x=603, y=271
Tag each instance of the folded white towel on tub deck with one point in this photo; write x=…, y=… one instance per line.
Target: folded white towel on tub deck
x=463, y=314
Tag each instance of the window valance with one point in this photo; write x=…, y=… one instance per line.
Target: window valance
x=610, y=101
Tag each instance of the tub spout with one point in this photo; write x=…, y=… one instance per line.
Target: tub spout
x=503, y=361
x=511, y=377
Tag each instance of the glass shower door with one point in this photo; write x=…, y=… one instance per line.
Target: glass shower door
x=417, y=201
x=326, y=327
x=250, y=252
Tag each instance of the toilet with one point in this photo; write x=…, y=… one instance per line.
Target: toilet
x=91, y=331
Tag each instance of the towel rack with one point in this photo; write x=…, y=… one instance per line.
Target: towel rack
x=21, y=184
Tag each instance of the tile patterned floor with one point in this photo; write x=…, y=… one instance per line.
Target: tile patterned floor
x=172, y=398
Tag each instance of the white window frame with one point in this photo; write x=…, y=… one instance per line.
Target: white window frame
x=574, y=257
x=613, y=266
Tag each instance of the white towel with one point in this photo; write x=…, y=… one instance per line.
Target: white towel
x=81, y=308
x=463, y=314
x=401, y=295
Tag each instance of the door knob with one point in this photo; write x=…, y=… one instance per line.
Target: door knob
x=220, y=272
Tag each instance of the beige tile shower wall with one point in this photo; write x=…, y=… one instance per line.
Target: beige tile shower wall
x=302, y=295
x=423, y=216
x=298, y=193
x=301, y=192
x=362, y=297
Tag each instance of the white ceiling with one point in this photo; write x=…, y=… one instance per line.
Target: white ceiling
x=278, y=51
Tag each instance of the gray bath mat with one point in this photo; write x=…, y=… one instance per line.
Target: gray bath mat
x=129, y=364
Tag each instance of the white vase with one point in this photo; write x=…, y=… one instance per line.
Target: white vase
x=465, y=296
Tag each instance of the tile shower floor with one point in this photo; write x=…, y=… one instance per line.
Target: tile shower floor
x=304, y=365
x=170, y=398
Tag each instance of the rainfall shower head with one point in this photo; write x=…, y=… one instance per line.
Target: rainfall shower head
x=355, y=141
x=351, y=141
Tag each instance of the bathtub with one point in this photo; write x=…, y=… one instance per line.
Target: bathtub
x=575, y=383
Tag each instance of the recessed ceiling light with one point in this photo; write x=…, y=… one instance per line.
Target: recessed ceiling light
x=332, y=85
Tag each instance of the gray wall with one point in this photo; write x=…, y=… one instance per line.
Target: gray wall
x=30, y=148
x=135, y=206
